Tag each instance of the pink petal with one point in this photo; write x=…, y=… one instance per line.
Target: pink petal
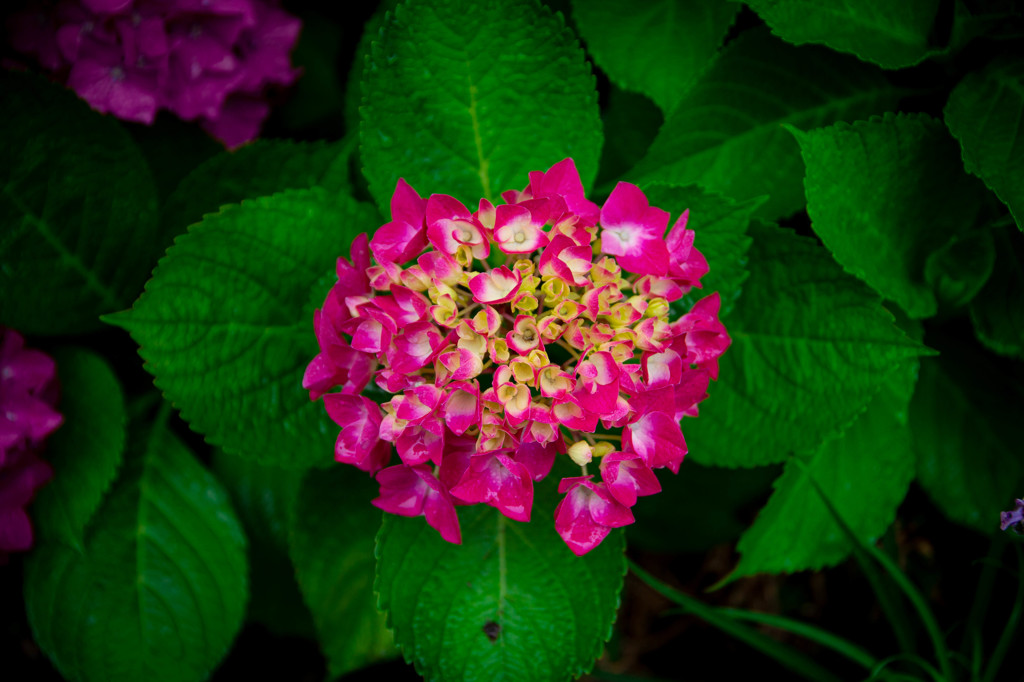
x=497, y=286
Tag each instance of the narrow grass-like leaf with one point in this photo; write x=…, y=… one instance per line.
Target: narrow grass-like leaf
x=824, y=638
x=894, y=573
x=790, y=658
x=726, y=134
x=639, y=46
x=1006, y=638
x=466, y=98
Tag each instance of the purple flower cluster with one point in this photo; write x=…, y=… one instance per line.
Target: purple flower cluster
x=209, y=60
x=28, y=391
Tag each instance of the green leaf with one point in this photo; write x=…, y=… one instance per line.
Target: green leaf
x=259, y=169
x=640, y=46
x=811, y=347
x=465, y=98
x=510, y=602
x=998, y=311
x=883, y=195
x=721, y=227
x=85, y=452
x=726, y=133
x=264, y=497
x=78, y=206
x=891, y=34
x=965, y=418
x=332, y=546
x=865, y=473
x=224, y=326
x=984, y=113
x=158, y=591
x=723, y=619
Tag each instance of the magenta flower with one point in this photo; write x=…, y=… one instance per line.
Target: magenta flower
x=28, y=392
x=509, y=336
x=205, y=60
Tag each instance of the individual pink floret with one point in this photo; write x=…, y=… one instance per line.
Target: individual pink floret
x=405, y=236
x=587, y=514
x=414, y=491
x=494, y=478
x=633, y=231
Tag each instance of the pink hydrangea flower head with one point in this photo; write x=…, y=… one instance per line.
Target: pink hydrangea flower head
x=512, y=335
x=205, y=60
x=28, y=393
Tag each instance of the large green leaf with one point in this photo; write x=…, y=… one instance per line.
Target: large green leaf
x=721, y=227
x=998, y=310
x=865, y=473
x=264, y=497
x=332, y=533
x=811, y=347
x=890, y=34
x=511, y=602
x=965, y=418
x=86, y=451
x=658, y=48
x=465, y=98
x=78, y=209
x=883, y=195
x=984, y=114
x=158, y=590
x=726, y=133
x=225, y=326
x=259, y=169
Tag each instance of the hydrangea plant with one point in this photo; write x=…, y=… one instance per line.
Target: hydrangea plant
x=499, y=369
x=807, y=213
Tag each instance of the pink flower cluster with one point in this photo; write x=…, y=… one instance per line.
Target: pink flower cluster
x=28, y=392
x=202, y=59
x=511, y=335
